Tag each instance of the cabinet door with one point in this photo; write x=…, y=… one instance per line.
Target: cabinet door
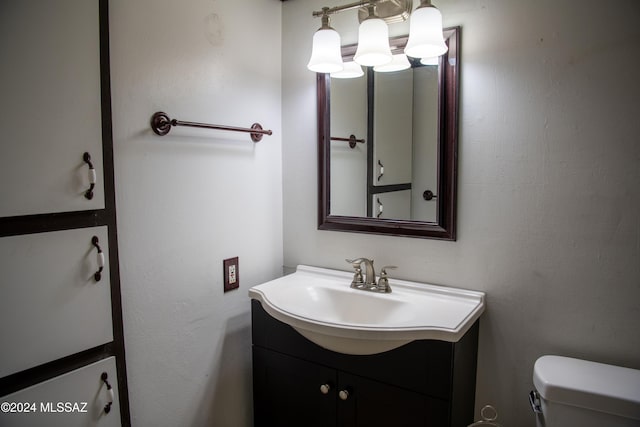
x=50, y=107
x=375, y=404
x=51, y=304
x=75, y=399
x=287, y=391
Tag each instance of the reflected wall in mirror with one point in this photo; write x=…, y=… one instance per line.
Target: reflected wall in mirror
x=388, y=148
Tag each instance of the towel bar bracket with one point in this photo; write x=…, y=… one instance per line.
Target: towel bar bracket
x=160, y=123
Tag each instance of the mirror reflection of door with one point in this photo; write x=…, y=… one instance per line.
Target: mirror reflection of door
x=404, y=147
x=392, y=127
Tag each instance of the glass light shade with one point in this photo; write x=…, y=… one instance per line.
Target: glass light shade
x=326, y=56
x=398, y=63
x=434, y=60
x=373, y=43
x=425, y=34
x=351, y=71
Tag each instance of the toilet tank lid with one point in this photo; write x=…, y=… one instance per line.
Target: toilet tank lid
x=591, y=385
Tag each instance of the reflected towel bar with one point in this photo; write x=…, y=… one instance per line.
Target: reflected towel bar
x=351, y=140
x=161, y=125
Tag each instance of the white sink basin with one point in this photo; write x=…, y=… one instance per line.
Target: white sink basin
x=321, y=306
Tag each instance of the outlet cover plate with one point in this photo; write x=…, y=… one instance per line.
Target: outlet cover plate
x=231, y=274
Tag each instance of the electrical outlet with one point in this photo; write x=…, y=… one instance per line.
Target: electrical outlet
x=231, y=274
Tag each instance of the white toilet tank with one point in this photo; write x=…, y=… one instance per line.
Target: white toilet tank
x=572, y=392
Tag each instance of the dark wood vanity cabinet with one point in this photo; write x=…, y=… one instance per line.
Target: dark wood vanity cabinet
x=424, y=383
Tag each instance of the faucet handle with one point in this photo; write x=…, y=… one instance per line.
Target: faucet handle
x=357, y=274
x=383, y=271
x=383, y=282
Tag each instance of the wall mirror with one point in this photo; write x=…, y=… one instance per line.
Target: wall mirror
x=388, y=147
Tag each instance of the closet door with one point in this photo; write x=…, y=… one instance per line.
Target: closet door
x=50, y=107
x=52, y=305
x=78, y=398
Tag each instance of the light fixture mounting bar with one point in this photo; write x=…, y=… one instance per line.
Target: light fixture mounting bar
x=330, y=11
x=391, y=11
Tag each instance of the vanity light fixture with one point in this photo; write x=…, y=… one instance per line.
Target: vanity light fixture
x=434, y=60
x=373, y=41
x=425, y=32
x=326, y=56
x=398, y=63
x=351, y=70
x=425, y=37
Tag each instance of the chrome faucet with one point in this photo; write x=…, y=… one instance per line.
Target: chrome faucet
x=369, y=282
x=370, y=272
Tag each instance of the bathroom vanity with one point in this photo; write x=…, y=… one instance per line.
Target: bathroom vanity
x=298, y=383
x=375, y=353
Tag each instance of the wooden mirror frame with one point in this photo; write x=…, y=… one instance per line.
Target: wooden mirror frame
x=444, y=228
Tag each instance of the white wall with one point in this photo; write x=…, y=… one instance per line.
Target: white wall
x=188, y=200
x=549, y=196
x=349, y=165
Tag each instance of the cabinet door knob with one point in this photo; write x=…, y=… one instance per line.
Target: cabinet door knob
x=344, y=394
x=324, y=388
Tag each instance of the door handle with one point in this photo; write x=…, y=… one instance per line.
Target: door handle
x=107, y=407
x=98, y=274
x=381, y=169
x=92, y=176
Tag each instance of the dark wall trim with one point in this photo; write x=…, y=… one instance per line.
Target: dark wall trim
x=30, y=224
x=110, y=208
x=20, y=380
